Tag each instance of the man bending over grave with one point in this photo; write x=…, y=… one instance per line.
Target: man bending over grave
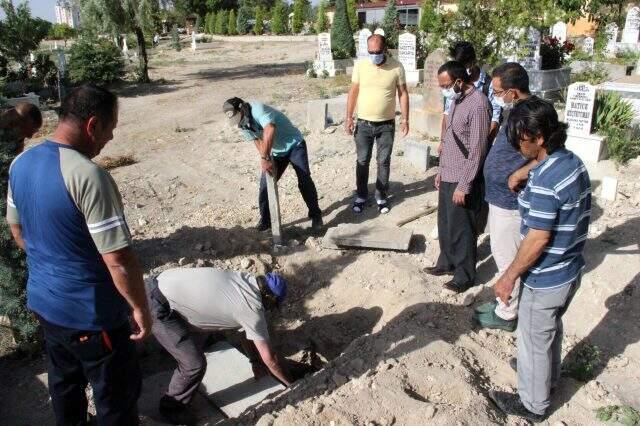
x=186, y=301
x=279, y=144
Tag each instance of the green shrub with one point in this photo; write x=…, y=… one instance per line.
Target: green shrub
x=620, y=414
x=583, y=363
x=389, y=24
x=232, y=25
x=594, y=75
x=322, y=23
x=222, y=22
x=297, y=22
x=175, y=38
x=279, y=17
x=259, y=26
x=244, y=14
x=612, y=112
x=623, y=144
x=342, y=43
x=353, y=15
x=96, y=61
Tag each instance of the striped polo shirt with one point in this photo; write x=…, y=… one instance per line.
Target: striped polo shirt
x=71, y=213
x=557, y=198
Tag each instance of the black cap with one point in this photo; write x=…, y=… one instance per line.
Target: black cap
x=232, y=104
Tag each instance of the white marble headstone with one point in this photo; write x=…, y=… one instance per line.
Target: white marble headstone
x=407, y=51
x=363, y=36
x=125, y=48
x=579, y=109
x=559, y=31
x=587, y=45
x=532, y=60
x=611, y=32
x=631, y=31
x=324, y=47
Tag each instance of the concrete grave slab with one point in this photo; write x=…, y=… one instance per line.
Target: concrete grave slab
x=590, y=148
x=609, y=188
x=229, y=382
x=367, y=236
x=317, y=112
x=416, y=153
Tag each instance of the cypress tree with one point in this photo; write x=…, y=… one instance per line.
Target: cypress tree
x=353, y=15
x=279, y=18
x=342, y=44
x=232, y=30
x=297, y=23
x=175, y=38
x=389, y=24
x=321, y=19
x=258, y=27
x=244, y=14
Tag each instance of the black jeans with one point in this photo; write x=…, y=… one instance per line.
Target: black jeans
x=458, y=233
x=106, y=359
x=299, y=160
x=366, y=133
x=175, y=335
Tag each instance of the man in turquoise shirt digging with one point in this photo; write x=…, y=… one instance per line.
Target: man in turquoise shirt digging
x=279, y=143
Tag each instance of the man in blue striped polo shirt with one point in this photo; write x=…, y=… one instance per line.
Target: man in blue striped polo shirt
x=555, y=208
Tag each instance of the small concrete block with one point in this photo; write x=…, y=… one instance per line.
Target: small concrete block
x=590, y=148
x=229, y=381
x=317, y=112
x=368, y=236
x=417, y=154
x=609, y=188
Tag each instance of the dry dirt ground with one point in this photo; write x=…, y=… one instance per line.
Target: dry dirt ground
x=400, y=350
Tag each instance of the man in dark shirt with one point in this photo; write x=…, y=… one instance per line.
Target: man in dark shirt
x=464, y=147
x=511, y=85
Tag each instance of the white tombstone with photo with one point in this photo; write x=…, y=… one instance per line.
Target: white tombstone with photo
x=631, y=30
x=588, y=45
x=611, y=32
x=407, y=57
x=579, y=114
x=363, y=36
x=559, y=31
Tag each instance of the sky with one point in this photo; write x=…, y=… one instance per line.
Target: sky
x=44, y=9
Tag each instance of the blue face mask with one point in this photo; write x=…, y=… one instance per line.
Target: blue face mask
x=376, y=58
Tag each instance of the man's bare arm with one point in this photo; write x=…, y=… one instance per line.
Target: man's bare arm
x=16, y=231
x=127, y=277
x=403, y=96
x=272, y=362
x=352, y=100
x=520, y=176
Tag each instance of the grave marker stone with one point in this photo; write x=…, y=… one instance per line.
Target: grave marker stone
x=274, y=208
x=579, y=109
x=427, y=119
x=611, y=31
x=363, y=36
x=324, y=47
x=531, y=59
x=193, y=41
x=125, y=48
x=631, y=30
x=407, y=57
x=559, y=31
x=587, y=45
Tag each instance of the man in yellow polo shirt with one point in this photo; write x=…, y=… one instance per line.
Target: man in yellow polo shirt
x=375, y=82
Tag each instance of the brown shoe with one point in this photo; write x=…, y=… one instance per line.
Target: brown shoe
x=437, y=272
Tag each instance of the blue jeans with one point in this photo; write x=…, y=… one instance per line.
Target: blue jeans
x=299, y=160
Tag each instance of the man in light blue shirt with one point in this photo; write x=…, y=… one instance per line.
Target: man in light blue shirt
x=279, y=143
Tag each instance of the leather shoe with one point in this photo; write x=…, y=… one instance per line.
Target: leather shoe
x=437, y=272
x=457, y=288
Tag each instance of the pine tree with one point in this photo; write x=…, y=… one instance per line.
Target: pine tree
x=342, y=44
x=279, y=18
x=353, y=15
x=175, y=38
x=244, y=14
x=232, y=25
x=297, y=23
x=259, y=26
x=389, y=24
x=430, y=19
x=210, y=22
x=322, y=23
x=222, y=22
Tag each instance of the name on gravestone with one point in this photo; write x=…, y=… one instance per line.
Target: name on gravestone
x=531, y=59
x=363, y=36
x=407, y=51
x=324, y=47
x=579, y=109
x=587, y=45
x=631, y=31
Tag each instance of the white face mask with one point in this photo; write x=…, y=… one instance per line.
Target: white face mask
x=502, y=103
x=451, y=93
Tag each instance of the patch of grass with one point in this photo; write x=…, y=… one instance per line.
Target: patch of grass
x=583, y=363
x=619, y=414
x=110, y=163
x=595, y=75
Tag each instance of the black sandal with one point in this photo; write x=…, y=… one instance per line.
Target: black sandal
x=384, y=208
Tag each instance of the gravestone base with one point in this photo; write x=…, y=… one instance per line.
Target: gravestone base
x=590, y=148
x=416, y=153
x=628, y=47
x=425, y=122
x=414, y=77
x=333, y=68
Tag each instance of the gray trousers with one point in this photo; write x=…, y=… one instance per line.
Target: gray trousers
x=175, y=335
x=540, y=342
x=366, y=133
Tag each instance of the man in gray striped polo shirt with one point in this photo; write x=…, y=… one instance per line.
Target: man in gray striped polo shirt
x=463, y=148
x=555, y=208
